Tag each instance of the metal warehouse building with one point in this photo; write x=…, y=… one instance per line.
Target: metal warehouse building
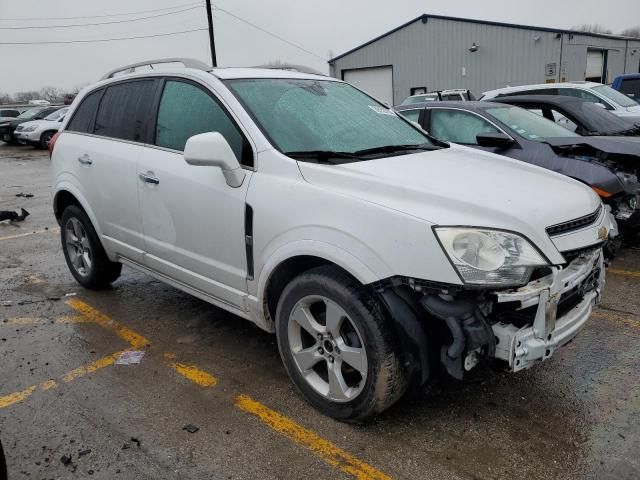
x=432, y=53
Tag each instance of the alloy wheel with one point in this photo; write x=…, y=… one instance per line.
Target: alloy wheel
x=78, y=247
x=327, y=348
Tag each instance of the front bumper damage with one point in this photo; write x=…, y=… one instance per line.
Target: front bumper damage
x=521, y=347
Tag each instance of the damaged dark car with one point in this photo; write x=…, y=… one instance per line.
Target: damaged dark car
x=609, y=165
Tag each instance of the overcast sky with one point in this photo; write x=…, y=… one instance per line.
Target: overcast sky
x=329, y=26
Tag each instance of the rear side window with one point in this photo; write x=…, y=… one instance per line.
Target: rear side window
x=539, y=91
x=583, y=94
x=122, y=110
x=187, y=110
x=85, y=113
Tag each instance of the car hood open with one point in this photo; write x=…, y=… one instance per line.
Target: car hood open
x=463, y=186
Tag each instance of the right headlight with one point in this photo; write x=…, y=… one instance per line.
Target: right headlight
x=486, y=257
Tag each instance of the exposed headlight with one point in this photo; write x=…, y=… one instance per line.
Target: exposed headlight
x=490, y=257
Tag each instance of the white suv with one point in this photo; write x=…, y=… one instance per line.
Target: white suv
x=603, y=95
x=378, y=255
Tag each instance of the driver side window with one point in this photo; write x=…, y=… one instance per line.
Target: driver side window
x=458, y=126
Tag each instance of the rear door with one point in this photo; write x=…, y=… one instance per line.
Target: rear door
x=194, y=222
x=105, y=139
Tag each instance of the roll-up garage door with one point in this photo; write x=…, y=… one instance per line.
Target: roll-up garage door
x=595, y=65
x=376, y=81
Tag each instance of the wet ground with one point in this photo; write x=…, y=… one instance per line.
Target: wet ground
x=68, y=411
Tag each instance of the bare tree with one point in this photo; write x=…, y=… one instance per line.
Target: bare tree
x=5, y=98
x=631, y=32
x=595, y=28
x=51, y=94
x=26, y=96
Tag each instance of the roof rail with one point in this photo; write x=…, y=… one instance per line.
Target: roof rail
x=187, y=62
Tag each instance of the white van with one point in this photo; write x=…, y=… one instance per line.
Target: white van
x=377, y=255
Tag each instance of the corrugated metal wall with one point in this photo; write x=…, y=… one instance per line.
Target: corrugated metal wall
x=436, y=55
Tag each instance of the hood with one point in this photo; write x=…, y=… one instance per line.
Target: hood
x=40, y=123
x=612, y=145
x=463, y=186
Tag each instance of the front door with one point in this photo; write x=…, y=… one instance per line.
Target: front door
x=193, y=221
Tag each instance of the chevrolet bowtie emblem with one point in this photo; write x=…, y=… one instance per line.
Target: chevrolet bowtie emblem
x=603, y=233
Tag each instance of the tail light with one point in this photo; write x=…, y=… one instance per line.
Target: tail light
x=52, y=143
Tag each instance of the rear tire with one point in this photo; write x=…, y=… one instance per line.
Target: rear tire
x=344, y=358
x=83, y=251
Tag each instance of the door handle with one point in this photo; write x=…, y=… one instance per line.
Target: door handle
x=85, y=159
x=149, y=178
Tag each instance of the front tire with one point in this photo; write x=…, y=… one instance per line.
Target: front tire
x=83, y=251
x=338, y=345
x=45, y=138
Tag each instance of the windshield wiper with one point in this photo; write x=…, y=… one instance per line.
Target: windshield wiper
x=396, y=148
x=321, y=155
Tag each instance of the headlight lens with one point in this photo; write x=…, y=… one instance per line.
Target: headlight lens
x=490, y=257
x=29, y=129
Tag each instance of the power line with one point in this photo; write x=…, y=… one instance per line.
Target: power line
x=269, y=33
x=101, y=23
x=103, y=16
x=104, y=39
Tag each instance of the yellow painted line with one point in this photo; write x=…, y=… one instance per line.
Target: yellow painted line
x=18, y=397
x=193, y=373
x=628, y=273
x=132, y=338
x=28, y=234
x=331, y=454
x=617, y=318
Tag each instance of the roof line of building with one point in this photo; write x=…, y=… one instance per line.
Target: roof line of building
x=425, y=18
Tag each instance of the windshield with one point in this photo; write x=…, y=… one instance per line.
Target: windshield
x=32, y=112
x=529, y=125
x=601, y=121
x=614, y=95
x=57, y=115
x=322, y=115
x=431, y=97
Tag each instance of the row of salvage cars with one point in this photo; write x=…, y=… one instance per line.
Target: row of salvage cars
x=33, y=126
x=574, y=136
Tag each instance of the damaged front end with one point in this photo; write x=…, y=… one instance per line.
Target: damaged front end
x=611, y=166
x=454, y=327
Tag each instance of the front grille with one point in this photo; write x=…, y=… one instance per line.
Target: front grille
x=571, y=255
x=573, y=225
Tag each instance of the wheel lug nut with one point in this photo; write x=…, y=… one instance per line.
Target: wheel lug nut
x=330, y=359
x=321, y=351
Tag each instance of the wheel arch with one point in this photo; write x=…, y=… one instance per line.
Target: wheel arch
x=67, y=195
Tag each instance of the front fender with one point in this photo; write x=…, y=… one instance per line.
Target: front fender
x=327, y=251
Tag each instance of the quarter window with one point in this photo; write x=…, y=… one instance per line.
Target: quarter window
x=85, y=113
x=411, y=115
x=122, y=110
x=187, y=110
x=458, y=126
x=583, y=94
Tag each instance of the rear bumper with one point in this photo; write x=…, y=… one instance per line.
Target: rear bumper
x=522, y=347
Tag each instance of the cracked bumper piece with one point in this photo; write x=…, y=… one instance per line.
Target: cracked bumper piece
x=582, y=280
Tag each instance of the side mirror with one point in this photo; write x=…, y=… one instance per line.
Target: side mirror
x=212, y=150
x=495, y=140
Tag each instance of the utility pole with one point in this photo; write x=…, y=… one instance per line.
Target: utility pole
x=212, y=44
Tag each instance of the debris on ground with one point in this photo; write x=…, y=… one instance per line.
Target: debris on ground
x=82, y=453
x=25, y=195
x=130, y=357
x=65, y=460
x=13, y=216
x=135, y=440
x=6, y=303
x=190, y=428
